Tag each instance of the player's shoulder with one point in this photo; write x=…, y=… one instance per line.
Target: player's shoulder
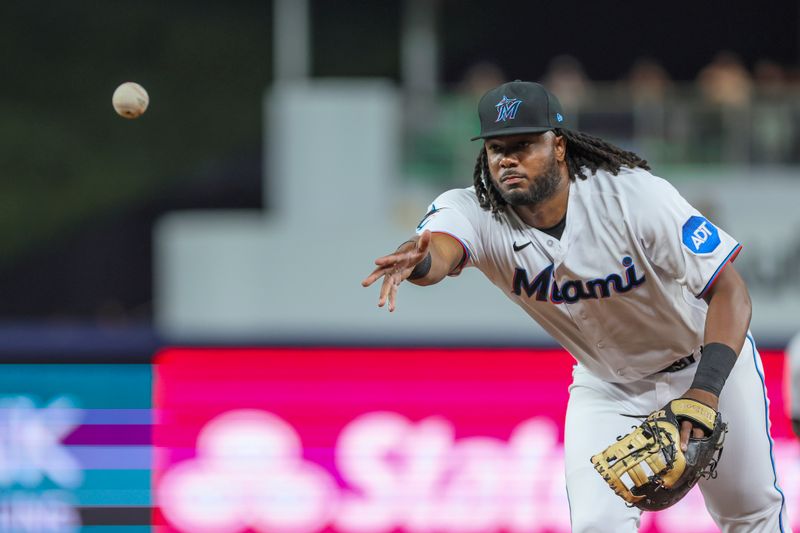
x=463, y=200
x=634, y=186
x=630, y=181
x=465, y=196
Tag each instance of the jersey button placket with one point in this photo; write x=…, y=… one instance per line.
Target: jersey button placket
x=555, y=250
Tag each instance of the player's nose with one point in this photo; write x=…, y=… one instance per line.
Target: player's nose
x=509, y=160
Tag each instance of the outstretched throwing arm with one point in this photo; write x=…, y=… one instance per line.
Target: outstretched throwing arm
x=423, y=260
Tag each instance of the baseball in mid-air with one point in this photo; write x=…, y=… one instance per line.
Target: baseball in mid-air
x=130, y=100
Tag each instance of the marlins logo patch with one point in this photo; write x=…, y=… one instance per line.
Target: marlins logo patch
x=700, y=236
x=428, y=216
x=507, y=108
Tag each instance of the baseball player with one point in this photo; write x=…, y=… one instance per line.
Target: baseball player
x=633, y=281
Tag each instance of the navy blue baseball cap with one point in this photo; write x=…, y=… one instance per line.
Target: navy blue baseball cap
x=519, y=107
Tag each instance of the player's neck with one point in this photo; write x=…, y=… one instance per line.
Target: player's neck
x=548, y=213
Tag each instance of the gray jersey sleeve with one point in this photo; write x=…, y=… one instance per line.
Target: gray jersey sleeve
x=454, y=213
x=677, y=238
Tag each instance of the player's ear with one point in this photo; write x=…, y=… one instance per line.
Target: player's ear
x=560, y=147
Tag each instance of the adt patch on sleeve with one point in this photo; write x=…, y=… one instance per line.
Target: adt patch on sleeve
x=700, y=236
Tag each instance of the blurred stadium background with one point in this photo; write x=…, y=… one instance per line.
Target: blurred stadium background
x=287, y=144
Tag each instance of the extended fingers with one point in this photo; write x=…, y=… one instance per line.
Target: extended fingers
x=389, y=291
x=384, y=291
x=406, y=259
x=387, y=264
x=394, y=259
x=374, y=276
x=394, y=268
x=393, y=296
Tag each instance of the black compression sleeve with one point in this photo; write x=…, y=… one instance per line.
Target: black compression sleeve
x=714, y=367
x=422, y=268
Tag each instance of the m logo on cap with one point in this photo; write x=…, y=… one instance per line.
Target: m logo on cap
x=507, y=108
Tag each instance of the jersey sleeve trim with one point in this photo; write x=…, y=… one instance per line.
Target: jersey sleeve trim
x=464, y=258
x=729, y=259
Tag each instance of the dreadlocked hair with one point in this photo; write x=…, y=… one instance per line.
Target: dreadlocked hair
x=584, y=152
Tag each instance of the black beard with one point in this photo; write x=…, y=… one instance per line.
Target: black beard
x=538, y=191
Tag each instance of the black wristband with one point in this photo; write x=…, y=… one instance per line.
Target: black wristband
x=714, y=367
x=422, y=268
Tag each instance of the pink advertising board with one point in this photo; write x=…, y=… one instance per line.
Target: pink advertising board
x=371, y=440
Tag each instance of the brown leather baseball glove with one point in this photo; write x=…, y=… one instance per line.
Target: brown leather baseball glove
x=647, y=467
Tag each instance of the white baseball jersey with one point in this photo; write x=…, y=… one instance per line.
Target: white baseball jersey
x=622, y=289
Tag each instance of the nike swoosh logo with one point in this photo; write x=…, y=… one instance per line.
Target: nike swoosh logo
x=518, y=248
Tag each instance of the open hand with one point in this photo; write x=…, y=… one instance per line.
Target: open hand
x=396, y=267
x=687, y=429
